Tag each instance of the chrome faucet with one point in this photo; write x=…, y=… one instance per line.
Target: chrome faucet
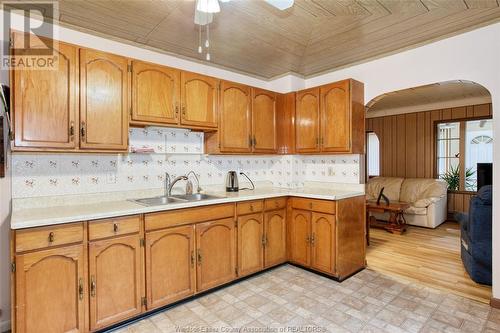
x=189, y=185
x=167, y=184
x=169, y=191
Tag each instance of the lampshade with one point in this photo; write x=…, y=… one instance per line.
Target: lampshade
x=208, y=6
x=281, y=4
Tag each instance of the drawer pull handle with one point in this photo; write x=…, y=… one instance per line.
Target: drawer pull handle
x=199, y=257
x=80, y=289
x=115, y=227
x=92, y=286
x=251, y=208
x=51, y=237
x=82, y=129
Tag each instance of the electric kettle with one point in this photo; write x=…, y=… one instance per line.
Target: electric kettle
x=232, y=182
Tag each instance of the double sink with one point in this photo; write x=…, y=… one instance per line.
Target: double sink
x=165, y=200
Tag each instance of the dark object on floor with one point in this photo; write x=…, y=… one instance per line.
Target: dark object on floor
x=381, y=195
x=476, y=240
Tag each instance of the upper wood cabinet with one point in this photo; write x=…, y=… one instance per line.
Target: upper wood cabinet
x=51, y=290
x=165, y=249
x=264, y=121
x=250, y=244
x=155, y=93
x=103, y=101
x=235, y=125
x=45, y=102
x=331, y=119
x=215, y=253
x=307, y=121
x=199, y=100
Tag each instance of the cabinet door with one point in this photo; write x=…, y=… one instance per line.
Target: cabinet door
x=335, y=117
x=264, y=121
x=235, y=118
x=115, y=269
x=199, y=100
x=216, y=252
x=299, y=229
x=155, y=93
x=45, y=102
x=165, y=250
x=275, y=237
x=307, y=121
x=250, y=244
x=50, y=291
x=103, y=101
x=323, y=242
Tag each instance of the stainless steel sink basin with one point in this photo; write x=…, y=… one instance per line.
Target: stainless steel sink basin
x=158, y=201
x=196, y=197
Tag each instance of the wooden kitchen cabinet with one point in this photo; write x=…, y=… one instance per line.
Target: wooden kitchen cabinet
x=322, y=242
x=155, y=93
x=331, y=119
x=274, y=237
x=307, y=121
x=235, y=126
x=215, y=253
x=199, y=100
x=115, y=280
x=250, y=244
x=45, y=102
x=299, y=235
x=50, y=290
x=170, y=265
x=264, y=136
x=104, y=95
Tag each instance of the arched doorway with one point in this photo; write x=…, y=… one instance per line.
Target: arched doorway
x=440, y=130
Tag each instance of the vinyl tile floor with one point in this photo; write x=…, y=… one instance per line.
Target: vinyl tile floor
x=290, y=299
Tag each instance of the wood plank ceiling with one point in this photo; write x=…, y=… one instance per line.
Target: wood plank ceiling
x=253, y=37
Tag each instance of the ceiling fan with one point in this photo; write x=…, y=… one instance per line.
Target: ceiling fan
x=204, y=15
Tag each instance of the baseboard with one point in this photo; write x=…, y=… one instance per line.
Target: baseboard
x=5, y=326
x=495, y=303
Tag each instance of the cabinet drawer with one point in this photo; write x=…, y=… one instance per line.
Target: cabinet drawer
x=43, y=237
x=249, y=207
x=275, y=203
x=114, y=227
x=323, y=206
x=172, y=218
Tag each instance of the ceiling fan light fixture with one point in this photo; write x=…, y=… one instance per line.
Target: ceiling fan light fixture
x=280, y=4
x=208, y=6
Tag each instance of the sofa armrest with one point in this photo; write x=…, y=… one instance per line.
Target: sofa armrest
x=437, y=212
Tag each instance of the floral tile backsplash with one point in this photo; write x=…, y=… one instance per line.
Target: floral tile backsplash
x=176, y=152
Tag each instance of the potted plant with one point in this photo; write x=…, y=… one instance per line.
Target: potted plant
x=452, y=177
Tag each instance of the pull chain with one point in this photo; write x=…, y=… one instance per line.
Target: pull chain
x=207, y=43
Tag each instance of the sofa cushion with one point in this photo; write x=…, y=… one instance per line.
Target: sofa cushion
x=391, y=185
x=414, y=189
x=416, y=210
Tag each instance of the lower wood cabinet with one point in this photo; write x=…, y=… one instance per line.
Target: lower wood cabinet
x=215, y=253
x=170, y=265
x=299, y=235
x=322, y=242
x=274, y=237
x=50, y=291
x=115, y=277
x=251, y=243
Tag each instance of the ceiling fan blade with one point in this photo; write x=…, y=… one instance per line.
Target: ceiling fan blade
x=280, y=4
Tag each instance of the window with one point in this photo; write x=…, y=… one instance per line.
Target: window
x=460, y=146
x=373, y=154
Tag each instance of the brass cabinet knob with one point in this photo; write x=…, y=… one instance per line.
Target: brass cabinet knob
x=115, y=227
x=80, y=289
x=51, y=237
x=251, y=208
x=92, y=286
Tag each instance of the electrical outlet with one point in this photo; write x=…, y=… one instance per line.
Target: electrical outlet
x=111, y=178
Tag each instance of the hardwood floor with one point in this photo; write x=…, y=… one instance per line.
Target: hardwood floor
x=429, y=256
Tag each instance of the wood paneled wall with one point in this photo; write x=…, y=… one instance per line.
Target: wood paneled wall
x=407, y=145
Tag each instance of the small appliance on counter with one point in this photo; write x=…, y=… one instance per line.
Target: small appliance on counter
x=232, y=182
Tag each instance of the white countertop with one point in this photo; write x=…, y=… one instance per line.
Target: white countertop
x=26, y=217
